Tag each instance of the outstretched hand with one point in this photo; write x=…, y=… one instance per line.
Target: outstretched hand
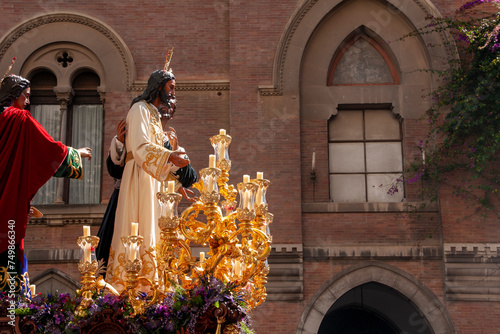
x=85, y=152
x=188, y=194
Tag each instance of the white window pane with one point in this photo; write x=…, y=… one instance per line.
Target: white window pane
x=87, y=132
x=49, y=116
x=384, y=157
x=347, y=125
x=348, y=188
x=381, y=124
x=380, y=184
x=347, y=158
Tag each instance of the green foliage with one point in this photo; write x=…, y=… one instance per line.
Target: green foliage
x=464, y=119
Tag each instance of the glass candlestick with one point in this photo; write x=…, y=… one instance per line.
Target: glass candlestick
x=221, y=144
x=133, y=263
x=247, y=191
x=260, y=197
x=169, y=203
x=88, y=263
x=132, y=244
x=210, y=192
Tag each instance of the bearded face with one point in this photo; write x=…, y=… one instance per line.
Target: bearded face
x=167, y=110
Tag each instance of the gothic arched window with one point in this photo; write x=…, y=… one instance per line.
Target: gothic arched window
x=362, y=60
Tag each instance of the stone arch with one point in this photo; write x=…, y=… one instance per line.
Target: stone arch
x=82, y=59
x=52, y=280
x=424, y=299
x=116, y=64
x=308, y=16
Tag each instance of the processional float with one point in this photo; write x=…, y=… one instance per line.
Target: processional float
x=238, y=237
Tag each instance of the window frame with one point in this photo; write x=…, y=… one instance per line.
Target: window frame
x=364, y=141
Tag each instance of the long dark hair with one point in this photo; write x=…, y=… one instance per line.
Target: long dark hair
x=157, y=80
x=11, y=88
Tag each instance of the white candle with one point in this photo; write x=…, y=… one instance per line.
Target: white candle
x=171, y=186
x=210, y=184
x=260, y=175
x=133, y=252
x=221, y=151
x=314, y=160
x=33, y=289
x=202, y=257
x=135, y=229
x=258, y=197
x=211, y=161
x=222, y=132
x=246, y=199
x=86, y=253
x=246, y=178
x=86, y=231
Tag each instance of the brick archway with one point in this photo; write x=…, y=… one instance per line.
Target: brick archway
x=423, y=299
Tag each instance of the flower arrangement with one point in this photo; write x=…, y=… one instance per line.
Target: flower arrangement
x=180, y=311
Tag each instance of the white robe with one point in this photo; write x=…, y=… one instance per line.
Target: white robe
x=140, y=183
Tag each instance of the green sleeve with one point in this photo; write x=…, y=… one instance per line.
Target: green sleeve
x=71, y=166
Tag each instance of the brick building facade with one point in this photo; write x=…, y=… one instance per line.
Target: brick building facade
x=288, y=80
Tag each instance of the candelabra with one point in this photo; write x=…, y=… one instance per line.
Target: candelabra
x=237, y=236
x=87, y=267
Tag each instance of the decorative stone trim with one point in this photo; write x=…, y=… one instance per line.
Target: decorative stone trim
x=372, y=252
x=477, y=249
x=269, y=91
x=328, y=207
x=286, y=277
x=67, y=214
x=287, y=248
x=190, y=86
x=472, y=271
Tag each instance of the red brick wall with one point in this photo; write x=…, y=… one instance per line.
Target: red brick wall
x=236, y=41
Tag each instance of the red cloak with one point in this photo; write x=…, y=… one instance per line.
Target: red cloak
x=29, y=157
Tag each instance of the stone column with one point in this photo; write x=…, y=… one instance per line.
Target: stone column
x=64, y=96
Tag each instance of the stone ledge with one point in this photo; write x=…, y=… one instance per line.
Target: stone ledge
x=286, y=248
x=53, y=255
x=373, y=252
x=472, y=248
x=67, y=214
x=329, y=207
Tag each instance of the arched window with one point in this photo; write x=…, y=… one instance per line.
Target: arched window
x=362, y=59
x=74, y=117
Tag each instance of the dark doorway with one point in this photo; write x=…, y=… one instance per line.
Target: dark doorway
x=374, y=308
